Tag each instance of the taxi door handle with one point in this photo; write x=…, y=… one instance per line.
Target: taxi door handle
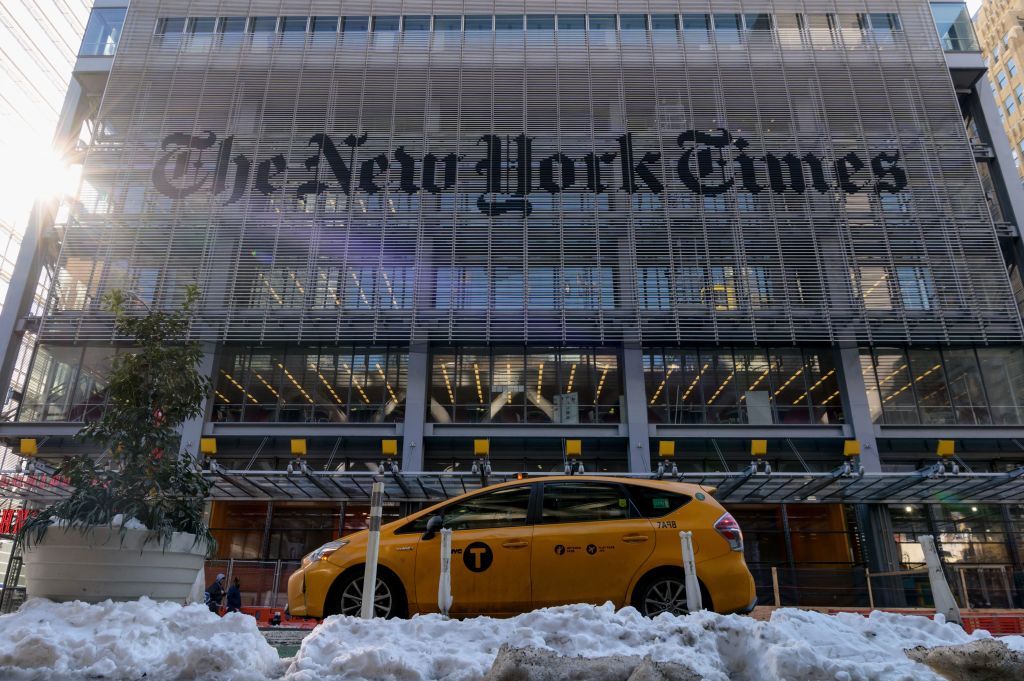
x=516, y=544
x=635, y=538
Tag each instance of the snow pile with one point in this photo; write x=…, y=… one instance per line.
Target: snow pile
x=144, y=638
x=795, y=645
x=130, y=524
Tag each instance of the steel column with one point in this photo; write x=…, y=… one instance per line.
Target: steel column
x=855, y=405
x=192, y=429
x=418, y=377
x=639, y=443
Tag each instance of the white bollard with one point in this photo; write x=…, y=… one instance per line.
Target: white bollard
x=941, y=593
x=372, y=551
x=444, y=582
x=693, y=600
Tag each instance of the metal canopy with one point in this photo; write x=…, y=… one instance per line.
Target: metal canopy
x=744, y=487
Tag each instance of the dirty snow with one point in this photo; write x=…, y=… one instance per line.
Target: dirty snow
x=795, y=645
x=47, y=641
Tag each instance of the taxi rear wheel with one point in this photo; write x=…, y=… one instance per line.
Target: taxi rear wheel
x=346, y=596
x=665, y=591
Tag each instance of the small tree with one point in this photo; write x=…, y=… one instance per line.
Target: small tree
x=152, y=390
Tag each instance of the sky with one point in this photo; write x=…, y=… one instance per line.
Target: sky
x=973, y=5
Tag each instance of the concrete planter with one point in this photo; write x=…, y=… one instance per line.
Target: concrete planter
x=70, y=565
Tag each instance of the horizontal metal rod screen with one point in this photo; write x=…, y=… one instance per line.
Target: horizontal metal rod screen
x=808, y=179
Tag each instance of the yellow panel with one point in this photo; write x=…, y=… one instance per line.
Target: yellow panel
x=299, y=447
x=208, y=445
x=851, y=448
x=758, y=447
x=28, y=447
x=573, y=447
x=946, y=448
x=667, y=448
x=389, y=447
x=481, y=447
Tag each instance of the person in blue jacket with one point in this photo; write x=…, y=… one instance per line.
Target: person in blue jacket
x=234, y=596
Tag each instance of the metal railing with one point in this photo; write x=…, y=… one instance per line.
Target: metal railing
x=263, y=583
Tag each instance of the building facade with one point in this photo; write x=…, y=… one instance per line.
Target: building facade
x=621, y=223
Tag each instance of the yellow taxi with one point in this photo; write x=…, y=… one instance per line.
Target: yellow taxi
x=540, y=542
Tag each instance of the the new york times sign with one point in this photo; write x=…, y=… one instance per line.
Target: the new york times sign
x=509, y=169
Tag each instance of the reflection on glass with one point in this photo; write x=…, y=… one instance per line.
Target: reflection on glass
x=326, y=385
x=741, y=385
x=510, y=385
x=953, y=22
x=944, y=385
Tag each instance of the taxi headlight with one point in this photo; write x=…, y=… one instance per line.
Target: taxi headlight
x=325, y=551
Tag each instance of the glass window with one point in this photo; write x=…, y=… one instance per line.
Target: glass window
x=696, y=28
x=170, y=26
x=995, y=53
x=602, y=22
x=1001, y=79
x=103, y=31
x=653, y=502
x=634, y=22
x=448, y=23
x=874, y=287
x=757, y=22
x=502, y=508
x=929, y=386
x=963, y=377
x=479, y=22
x=572, y=22
x=383, y=24
x=324, y=25
x=420, y=22
x=231, y=25
x=1010, y=104
x=727, y=28
x=1019, y=92
x=1003, y=372
x=540, y=22
x=354, y=24
x=917, y=288
x=1011, y=66
x=895, y=387
x=262, y=24
x=580, y=502
x=293, y=24
x=508, y=22
x=881, y=26
x=201, y=24
x=665, y=22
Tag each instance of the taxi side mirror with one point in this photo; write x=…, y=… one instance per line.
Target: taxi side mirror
x=434, y=525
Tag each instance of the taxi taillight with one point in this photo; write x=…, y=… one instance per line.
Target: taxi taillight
x=730, y=531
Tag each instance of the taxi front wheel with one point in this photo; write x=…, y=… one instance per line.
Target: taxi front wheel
x=347, y=596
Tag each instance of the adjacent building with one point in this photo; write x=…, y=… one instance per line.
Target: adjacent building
x=998, y=26
x=640, y=227
x=38, y=45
